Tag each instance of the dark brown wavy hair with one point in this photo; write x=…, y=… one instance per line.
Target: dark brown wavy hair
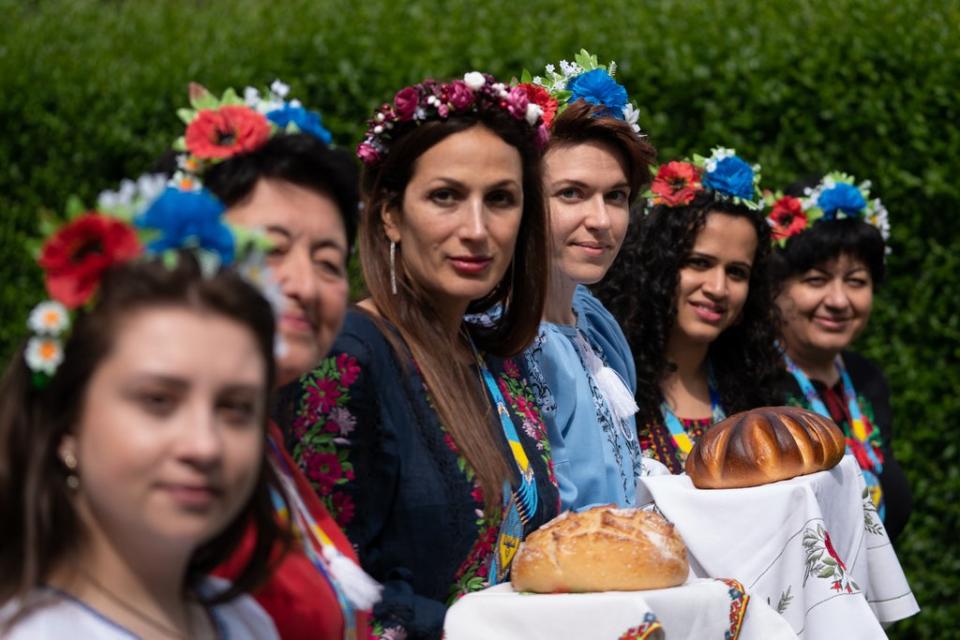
x=40, y=527
x=640, y=290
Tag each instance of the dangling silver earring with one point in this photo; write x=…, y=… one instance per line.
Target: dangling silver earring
x=393, y=267
x=70, y=462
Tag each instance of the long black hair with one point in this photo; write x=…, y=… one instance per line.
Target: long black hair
x=640, y=290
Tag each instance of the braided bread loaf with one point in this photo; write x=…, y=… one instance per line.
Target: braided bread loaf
x=762, y=446
x=601, y=549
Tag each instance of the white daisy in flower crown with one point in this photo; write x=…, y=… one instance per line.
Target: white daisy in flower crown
x=49, y=318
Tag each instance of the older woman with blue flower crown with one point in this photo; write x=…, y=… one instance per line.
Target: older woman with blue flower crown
x=830, y=241
x=691, y=293
x=596, y=165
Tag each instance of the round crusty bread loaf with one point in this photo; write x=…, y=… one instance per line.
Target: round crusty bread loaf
x=601, y=549
x=764, y=445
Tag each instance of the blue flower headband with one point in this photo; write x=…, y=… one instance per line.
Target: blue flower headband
x=586, y=79
x=723, y=174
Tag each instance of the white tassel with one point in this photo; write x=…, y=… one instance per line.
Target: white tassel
x=361, y=590
x=621, y=401
x=618, y=395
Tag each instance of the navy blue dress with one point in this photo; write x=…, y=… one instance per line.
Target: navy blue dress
x=362, y=428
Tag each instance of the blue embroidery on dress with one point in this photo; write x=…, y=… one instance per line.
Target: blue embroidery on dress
x=535, y=379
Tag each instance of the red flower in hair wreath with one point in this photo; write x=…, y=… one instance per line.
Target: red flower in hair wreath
x=787, y=218
x=542, y=98
x=220, y=133
x=75, y=258
x=676, y=184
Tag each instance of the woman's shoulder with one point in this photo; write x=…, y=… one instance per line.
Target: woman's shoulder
x=240, y=618
x=50, y=613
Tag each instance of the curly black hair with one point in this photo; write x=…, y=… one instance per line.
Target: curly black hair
x=640, y=290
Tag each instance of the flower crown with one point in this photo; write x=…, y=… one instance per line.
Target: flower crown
x=149, y=218
x=432, y=100
x=836, y=197
x=723, y=174
x=218, y=129
x=582, y=79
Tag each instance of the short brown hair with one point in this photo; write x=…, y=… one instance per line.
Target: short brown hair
x=583, y=122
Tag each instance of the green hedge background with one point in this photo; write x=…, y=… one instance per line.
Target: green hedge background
x=90, y=88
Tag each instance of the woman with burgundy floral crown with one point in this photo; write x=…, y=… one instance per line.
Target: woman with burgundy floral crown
x=691, y=293
x=596, y=166
x=419, y=431
x=829, y=247
x=278, y=173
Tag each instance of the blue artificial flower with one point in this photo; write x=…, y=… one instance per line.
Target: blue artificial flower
x=188, y=218
x=731, y=177
x=306, y=121
x=598, y=87
x=841, y=197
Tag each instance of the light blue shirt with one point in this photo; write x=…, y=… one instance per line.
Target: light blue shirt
x=597, y=457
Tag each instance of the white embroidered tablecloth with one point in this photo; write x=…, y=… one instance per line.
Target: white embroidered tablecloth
x=812, y=547
x=702, y=609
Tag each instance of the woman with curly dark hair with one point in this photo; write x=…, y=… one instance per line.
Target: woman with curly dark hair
x=690, y=289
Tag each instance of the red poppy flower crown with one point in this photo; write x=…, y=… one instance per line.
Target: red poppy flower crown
x=220, y=128
x=723, y=174
x=432, y=100
x=152, y=217
x=837, y=196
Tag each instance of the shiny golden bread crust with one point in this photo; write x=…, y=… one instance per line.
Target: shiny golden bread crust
x=762, y=446
x=601, y=549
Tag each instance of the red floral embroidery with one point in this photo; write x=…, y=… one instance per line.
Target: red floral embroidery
x=322, y=424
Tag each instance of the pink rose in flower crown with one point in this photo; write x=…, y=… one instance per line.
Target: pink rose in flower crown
x=542, y=98
x=460, y=95
x=517, y=102
x=225, y=132
x=787, y=217
x=367, y=153
x=405, y=103
x=676, y=184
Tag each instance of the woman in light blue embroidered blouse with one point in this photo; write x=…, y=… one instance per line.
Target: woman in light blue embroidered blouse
x=595, y=167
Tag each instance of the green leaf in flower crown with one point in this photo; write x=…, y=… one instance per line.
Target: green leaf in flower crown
x=186, y=115
x=230, y=97
x=169, y=259
x=201, y=98
x=47, y=223
x=563, y=96
x=585, y=60
x=180, y=144
x=75, y=207
x=525, y=77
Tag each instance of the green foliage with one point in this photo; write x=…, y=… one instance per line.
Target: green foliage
x=91, y=91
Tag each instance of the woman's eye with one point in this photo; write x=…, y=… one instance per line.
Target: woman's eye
x=501, y=199
x=570, y=193
x=739, y=274
x=857, y=283
x=815, y=281
x=157, y=403
x=238, y=412
x=618, y=197
x=698, y=263
x=443, y=196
